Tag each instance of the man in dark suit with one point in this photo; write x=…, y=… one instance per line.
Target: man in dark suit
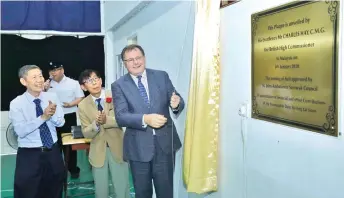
x=142, y=99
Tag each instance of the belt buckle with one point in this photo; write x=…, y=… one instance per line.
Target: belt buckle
x=45, y=149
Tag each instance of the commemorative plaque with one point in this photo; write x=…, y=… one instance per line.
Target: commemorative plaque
x=294, y=65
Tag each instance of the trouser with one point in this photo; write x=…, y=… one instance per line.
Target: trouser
x=119, y=173
x=160, y=169
x=39, y=173
x=70, y=120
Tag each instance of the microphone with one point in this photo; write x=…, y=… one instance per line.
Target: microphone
x=50, y=78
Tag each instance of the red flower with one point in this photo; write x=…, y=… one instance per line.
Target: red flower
x=108, y=100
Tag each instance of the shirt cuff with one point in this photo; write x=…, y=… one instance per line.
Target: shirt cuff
x=175, y=109
x=96, y=127
x=144, y=125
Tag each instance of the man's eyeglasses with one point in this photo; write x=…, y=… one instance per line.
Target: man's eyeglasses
x=91, y=80
x=131, y=60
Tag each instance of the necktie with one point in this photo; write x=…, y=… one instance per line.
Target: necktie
x=46, y=138
x=100, y=108
x=142, y=90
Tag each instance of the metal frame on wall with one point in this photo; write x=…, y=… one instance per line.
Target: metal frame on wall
x=225, y=3
x=330, y=126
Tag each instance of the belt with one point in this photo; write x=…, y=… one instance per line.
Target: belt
x=42, y=148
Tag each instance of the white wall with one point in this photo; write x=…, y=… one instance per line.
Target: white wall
x=5, y=147
x=281, y=162
x=114, y=11
x=115, y=15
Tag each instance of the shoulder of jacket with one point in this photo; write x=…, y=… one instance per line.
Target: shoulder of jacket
x=83, y=102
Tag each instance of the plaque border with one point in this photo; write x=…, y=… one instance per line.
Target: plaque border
x=330, y=127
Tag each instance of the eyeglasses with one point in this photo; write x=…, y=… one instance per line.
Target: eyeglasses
x=131, y=60
x=91, y=80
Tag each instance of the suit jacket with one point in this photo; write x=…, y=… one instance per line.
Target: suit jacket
x=130, y=107
x=109, y=132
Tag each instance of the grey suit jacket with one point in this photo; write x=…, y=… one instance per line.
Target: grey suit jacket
x=129, y=106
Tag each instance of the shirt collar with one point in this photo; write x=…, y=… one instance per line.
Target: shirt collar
x=144, y=76
x=102, y=96
x=31, y=98
x=64, y=78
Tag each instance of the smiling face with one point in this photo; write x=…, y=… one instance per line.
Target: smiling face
x=33, y=81
x=135, y=61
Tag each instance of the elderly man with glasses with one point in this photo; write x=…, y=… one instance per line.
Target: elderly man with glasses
x=98, y=123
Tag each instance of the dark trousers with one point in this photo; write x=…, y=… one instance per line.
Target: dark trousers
x=39, y=174
x=70, y=121
x=160, y=169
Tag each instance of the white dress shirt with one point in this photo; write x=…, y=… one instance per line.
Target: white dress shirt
x=26, y=124
x=143, y=80
x=67, y=90
x=102, y=96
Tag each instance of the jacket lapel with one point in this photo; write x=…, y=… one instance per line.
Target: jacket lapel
x=107, y=106
x=152, y=86
x=93, y=110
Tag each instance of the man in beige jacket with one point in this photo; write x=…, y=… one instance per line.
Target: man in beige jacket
x=98, y=123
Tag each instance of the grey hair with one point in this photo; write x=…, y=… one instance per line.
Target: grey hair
x=25, y=69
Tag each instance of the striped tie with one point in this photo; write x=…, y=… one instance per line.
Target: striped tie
x=142, y=90
x=99, y=106
x=47, y=139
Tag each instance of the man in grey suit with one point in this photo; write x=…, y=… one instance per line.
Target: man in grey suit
x=142, y=99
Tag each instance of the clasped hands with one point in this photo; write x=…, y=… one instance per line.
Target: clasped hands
x=157, y=120
x=49, y=111
x=101, y=118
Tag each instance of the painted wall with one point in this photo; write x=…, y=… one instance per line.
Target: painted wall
x=116, y=10
x=272, y=161
x=5, y=147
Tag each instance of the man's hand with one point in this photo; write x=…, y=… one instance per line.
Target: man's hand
x=49, y=111
x=66, y=105
x=101, y=118
x=154, y=120
x=175, y=100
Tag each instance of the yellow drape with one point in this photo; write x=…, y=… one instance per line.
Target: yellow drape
x=202, y=122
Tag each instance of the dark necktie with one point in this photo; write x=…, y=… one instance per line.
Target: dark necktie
x=142, y=90
x=100, y=108
x=47, y=139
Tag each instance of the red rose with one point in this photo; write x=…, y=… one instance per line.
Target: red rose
x=108, y=100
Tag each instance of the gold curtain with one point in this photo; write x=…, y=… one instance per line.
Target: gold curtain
x=202, y=123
